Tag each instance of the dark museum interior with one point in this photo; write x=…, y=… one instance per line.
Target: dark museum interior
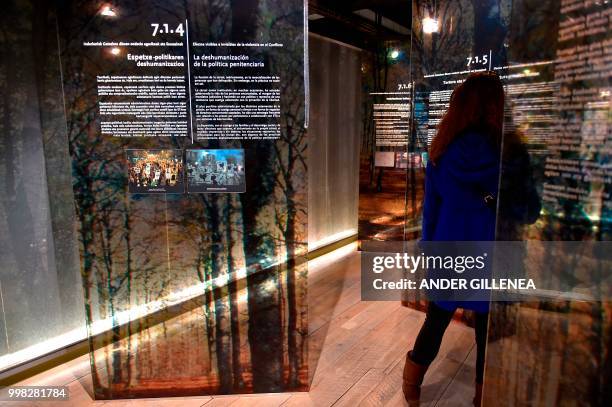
x=305, y=203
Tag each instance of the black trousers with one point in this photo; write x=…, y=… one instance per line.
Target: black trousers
x=429, y=339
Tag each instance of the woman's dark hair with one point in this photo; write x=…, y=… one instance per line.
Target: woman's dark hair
x=477, y=104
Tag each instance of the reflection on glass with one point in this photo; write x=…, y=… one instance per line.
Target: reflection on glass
x=552, y=352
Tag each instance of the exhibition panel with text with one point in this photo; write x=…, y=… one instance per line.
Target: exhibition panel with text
x=187, y=138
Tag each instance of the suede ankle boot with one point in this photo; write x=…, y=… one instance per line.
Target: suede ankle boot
x=412, y=379
x=478, y=395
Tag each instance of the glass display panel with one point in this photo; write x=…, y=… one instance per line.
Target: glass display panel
x=550, y=348
x=41, y=302
x=186, y=133
x=553, y=349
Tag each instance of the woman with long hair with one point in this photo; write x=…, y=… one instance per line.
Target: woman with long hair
x=461, y=187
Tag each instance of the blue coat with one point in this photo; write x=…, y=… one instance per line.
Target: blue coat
x=454, y=207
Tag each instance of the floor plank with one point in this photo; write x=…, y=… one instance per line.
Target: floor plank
x=361, y=388
x=300, y=400
x=460, y=390
x=250, y=400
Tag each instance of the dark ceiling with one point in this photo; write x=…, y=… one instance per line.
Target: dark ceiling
x=362, y=23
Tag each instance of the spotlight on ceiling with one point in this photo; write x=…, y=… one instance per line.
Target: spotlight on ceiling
x=108, y=11
x=430, y=25
x=115, y=51
x=394, y=54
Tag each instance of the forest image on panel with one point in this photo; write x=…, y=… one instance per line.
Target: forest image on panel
x=215, y=283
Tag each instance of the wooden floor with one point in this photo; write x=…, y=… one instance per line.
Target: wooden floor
x=357, y=350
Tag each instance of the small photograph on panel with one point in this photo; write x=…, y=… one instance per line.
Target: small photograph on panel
x=408, y=160
x=384, y=159
x=401, y=159
x=215, y=171
x=156, y=171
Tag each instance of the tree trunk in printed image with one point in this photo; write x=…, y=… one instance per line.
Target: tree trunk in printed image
x=106, y=235
x=85, y=216
x=84, y=204
x=228, y=213
x=264, y=326
x=209, y=309
x=117, y=371
x=290, y=238
x=127, y=229
x=203, y=273
x=597, y=349
x=265, y=332
x=222, y=314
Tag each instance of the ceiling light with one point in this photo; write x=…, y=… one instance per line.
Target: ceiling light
x=115, y=51
x=394, y=54
x=430, y=25
x=108, y=11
